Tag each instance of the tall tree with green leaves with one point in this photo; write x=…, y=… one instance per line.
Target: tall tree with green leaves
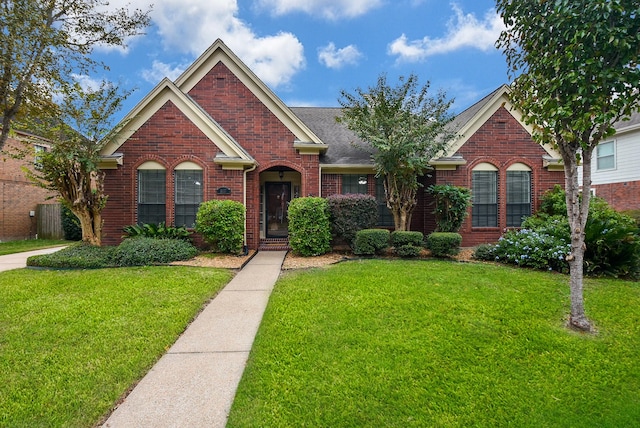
x=575, y=64
x=70, y=167
x=44, y=43
x=403, y=127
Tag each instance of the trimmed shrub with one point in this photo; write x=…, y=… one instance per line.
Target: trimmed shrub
x=144, y=251
x=158, y=231
x=484, y=252
x=408, y=250
x=451, y=204
x=350, y=213
x=309, y=226
x=70, y=224
x=401, y=238
x=76, y=256
x=371, y=241
x=444, y=244
x=221, y=224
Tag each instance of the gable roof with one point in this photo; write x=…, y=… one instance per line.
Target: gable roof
x=343, y=143
x=218, y=52
x=234, y=156
x=167, y=91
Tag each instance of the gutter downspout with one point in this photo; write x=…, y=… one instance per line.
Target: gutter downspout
x=244, y=196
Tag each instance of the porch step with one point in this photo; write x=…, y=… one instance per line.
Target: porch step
x=274, y=244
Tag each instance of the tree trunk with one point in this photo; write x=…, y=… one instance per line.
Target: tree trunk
x=577, y=211
x=401, y=200
x=91, y=224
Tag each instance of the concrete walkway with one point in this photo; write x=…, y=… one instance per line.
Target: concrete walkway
x=19, y=260
x=194, y=383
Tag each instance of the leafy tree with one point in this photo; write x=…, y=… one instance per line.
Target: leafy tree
x=451, y=204
x=70, y=167
x=403, y=128
x=579, y=70
x=43, y=44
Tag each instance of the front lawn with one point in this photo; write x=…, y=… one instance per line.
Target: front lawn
x=11, y=247
x=72, y=342
x=428, y=343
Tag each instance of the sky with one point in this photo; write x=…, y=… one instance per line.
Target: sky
x=307, y=51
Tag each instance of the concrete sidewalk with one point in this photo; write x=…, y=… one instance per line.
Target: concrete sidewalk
x=194, y=383
x=19, y=260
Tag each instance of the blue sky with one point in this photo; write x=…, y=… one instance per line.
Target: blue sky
x=306, y=51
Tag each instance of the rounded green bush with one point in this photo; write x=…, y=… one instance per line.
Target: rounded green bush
x=350, y=213
x=408, y=250
x=144, y=251
x=400, y=238
x=444, y=244
x=371, y=241
x=309, y=226
x=221, y=224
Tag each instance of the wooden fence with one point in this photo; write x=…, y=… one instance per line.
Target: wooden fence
x=49, y=221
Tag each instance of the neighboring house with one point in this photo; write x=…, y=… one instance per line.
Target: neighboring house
x=218, y=132
x=615, y=175
x=19, y=197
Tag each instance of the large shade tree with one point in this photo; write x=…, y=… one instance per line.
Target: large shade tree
x=403, y=127
x=575, y=64
x=44, y=43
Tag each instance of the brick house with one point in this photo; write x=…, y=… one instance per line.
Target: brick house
x=19, y=197
x=218, y=132
x=614, y=169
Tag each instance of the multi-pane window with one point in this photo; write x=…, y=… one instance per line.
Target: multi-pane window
x=518, y=197
x=188, y=196
x=354, y=183
x=606, y=156
x=39, y=151
x=151, y=194
x=484, y=188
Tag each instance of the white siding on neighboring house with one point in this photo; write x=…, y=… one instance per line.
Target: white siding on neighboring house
x=626, y=145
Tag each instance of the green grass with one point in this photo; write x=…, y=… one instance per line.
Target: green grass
x=72, y=342
x=11, y=247
x=414, y=343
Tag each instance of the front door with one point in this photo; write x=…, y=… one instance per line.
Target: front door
x=278, y=195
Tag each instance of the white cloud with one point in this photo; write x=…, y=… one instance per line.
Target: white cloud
x=160, y=70
x=87, y=82
x=191, y=26
x=328, y=9
x=464, y=31
x=338, y=58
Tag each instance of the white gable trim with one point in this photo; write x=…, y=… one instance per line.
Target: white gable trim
x=499, y=99
x=159, y=96
x=219, y=52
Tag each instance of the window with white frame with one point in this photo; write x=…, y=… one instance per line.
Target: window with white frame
x=484, y=190
x=606, y=156
x=152, y=193
x=38, y=152
x=188, y=193
x=518, y=194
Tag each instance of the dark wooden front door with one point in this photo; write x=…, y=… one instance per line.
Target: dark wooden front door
x=278, y=195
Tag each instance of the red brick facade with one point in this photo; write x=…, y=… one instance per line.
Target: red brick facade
x=18, y=196
x=169, y=137
x=501, y=141
x=621, y=196
x=275, y=146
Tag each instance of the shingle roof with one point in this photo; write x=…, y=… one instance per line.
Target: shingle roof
x=341, y=141
x=624, y=124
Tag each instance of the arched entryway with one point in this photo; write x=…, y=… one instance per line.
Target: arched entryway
x=278, y=186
